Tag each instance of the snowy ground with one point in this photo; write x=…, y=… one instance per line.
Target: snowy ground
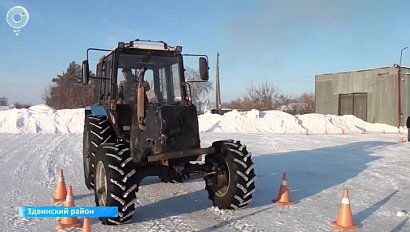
x=373, y=166
x=36, y=142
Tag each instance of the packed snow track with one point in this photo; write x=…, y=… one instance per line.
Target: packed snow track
x=373, y=166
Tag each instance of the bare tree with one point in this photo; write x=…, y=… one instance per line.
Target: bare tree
x=303, y=104
x=308, y=99
x=263, y=97
x=199, y=90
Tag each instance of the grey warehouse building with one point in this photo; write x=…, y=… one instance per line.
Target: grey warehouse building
x=374, y=95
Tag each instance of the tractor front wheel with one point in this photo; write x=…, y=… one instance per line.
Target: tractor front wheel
x=115, y=181
x=232, y=182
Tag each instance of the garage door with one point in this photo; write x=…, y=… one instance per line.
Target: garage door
x=353, y=104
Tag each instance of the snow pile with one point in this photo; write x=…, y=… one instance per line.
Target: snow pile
x=255, y=121
x=44, y=119
x=249, y=122
x=6, y=107
x=41, y=119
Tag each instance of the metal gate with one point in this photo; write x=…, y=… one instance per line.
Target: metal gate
x=353, y=104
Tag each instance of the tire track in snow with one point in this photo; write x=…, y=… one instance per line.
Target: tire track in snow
x=50, y=160
x=230, y=220
x=27, y=182
x=13, y=146
x=17, y=192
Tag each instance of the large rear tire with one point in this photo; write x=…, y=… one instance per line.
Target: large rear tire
x=115, y=181
x=88, y=175
x=233, y=183
x=97, y=130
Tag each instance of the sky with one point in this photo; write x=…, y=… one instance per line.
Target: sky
x=285, y=43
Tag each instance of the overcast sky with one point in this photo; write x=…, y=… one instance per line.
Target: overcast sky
x=284, y=42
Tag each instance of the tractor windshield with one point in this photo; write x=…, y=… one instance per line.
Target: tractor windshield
x=161, y=79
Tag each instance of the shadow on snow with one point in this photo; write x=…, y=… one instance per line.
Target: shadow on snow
x=310, y=171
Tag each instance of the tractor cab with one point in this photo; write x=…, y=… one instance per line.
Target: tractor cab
x=143, y=92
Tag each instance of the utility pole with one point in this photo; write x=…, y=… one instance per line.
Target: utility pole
x=399, y=113
x=217, y=87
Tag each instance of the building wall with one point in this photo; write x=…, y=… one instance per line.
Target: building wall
x=405, y=94
x=379, y=84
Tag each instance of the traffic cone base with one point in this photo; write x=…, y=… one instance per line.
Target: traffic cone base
x=283, y=197
x=334, y=224
x=68, y=223
x=61, y=191
x=282, y=203
x=401, y=139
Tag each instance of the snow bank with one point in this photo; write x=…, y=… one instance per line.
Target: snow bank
x=255, y=121
x=44, y=119
x=41, y=119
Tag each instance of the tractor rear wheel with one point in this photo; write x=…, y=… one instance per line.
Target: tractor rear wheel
x=233, y=182
x=88, y=176
x=97, y=130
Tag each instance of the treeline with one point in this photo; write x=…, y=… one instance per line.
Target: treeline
x=66, y=91
x=4, y=101
x=266, y=97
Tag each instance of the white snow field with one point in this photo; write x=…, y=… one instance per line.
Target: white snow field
x=35, y=143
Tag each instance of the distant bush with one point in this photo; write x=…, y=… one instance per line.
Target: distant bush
x=266, y=97
x=303, y=104
x=262, y=97
x=19, y=105
x=4, y=101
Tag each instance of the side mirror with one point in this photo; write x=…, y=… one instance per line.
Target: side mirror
x=203, y=69
x=86, y=72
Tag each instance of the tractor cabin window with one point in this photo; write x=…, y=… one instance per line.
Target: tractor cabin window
x=161, y=78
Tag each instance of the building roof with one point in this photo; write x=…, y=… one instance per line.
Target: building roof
x=362, y=70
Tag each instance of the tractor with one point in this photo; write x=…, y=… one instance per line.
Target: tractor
x=147, y=125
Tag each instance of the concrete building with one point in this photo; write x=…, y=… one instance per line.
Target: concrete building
x=374, y=95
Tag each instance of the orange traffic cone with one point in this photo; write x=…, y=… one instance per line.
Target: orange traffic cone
x=401, y=139
x=283, y=194
x=68, y=222
x=69, y=201
x=86, y=225
x=344, y=221
x=61, y=191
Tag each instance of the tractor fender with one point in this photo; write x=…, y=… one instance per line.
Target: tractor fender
x=98, y=110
